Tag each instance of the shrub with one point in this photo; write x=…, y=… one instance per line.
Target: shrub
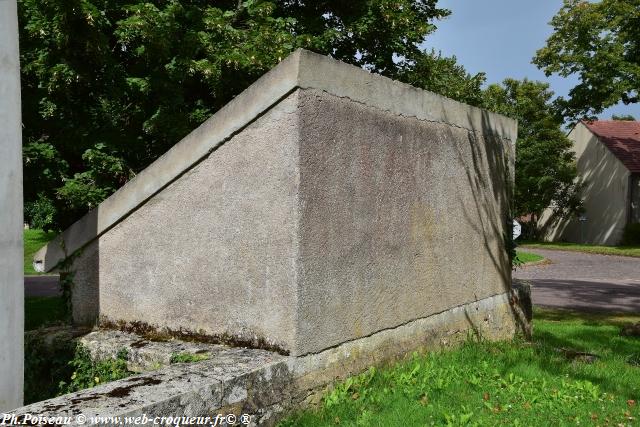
x=631, y=236
x=88, y=373
x=46, y=362
x=41, y=213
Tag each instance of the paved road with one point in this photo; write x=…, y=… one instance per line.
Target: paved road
x=584, y=281
x=41, y=286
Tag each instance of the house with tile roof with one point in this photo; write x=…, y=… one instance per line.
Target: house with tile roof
x=608, y=162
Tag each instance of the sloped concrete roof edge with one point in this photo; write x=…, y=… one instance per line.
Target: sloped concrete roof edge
x=302, y=69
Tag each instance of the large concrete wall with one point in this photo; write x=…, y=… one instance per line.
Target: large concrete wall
x=11, y=258
x=605, y=195
x=213, y=252
x=401, y=219
x=350, y=205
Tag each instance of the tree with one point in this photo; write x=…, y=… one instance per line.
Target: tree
x=624, y=117
x=600, y=42
x=110, y=85
x=444, y=76
x=545, y=164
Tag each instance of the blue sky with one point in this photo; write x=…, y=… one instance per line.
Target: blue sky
x=500, y=37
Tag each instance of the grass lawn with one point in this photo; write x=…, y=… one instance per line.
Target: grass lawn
x=34, y=240
x=40, y=311
x=526, y=257
x=506, y=383
x=633, y=251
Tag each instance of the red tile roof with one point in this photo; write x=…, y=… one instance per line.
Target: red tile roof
x=622, y=138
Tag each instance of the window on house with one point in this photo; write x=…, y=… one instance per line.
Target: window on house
x=635, y=199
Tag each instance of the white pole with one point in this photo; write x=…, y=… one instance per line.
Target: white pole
x=11, y=220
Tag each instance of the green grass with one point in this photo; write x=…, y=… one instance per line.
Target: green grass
x=526, y=257
x=633, y=251
x=188, y=357
x=506, y=383
x=42, y=311
x=34, y=240
x=39, y=311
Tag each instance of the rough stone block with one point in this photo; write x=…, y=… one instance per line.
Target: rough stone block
x=257, y=383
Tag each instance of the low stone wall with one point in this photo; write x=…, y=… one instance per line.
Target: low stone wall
x=260, y=384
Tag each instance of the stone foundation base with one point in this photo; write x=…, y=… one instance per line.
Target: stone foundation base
x=256, y=382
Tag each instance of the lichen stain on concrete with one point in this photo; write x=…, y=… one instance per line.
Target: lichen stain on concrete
x=357, y=328
x=125, y=391
x=153, y=333
x=422, y=235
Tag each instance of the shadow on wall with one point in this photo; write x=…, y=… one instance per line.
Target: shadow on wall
x=490, y=176
x=79, y=270
x=605, y=199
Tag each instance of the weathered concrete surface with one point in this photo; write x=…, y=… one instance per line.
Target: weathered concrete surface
x=261, y=384
x=215, y=251
x=353, y=205
x=232, y=381
x=143, y=354
x=400, y=219
x=491, y=318
x=302, y=69
x=11, y=258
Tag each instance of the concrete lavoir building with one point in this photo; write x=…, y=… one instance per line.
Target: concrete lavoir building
x=331, y=214
x=608, y=160
x=322, y=205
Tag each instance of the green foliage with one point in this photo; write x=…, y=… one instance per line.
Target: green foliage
x=40, y=213
x=506, y=383
x=446, y=77
x=188, y=357
x=59, y=366
x=632, y=251
x=631, y=236
x=44, y=170
x=545, y=163
x=527, y=257
x=45, y=365
x=109, y=86
x=44, y=311
x=623, y=117
x=105, y=172
x=600, y=43
x=88, y=374
x=33, y=241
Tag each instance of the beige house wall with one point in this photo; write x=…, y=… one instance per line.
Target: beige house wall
x=605, y=195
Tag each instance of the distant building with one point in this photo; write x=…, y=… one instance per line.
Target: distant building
x=608, y=161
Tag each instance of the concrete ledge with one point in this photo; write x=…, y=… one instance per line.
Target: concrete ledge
x=144, y=354
x=490, y=318
x=243, y=379
x=302, y=69
x=259, y=383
